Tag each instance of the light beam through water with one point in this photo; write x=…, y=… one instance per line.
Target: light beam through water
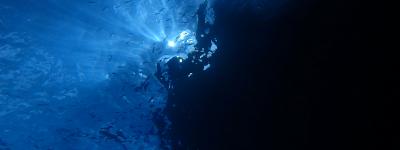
x=79, y=74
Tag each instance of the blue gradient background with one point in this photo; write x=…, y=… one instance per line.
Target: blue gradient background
x=72, y=71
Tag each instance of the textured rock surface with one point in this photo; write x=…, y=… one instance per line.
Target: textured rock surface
x=79, y=74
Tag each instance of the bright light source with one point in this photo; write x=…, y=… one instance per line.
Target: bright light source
x=171, y=43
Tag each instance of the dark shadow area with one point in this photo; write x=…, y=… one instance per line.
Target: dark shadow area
x=316, y=76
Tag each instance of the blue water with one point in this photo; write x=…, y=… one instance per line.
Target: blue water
x=80, y=74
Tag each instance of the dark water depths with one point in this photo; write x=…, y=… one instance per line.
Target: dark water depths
x=193, y=75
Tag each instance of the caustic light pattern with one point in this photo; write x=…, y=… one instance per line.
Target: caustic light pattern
x=80, y=74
